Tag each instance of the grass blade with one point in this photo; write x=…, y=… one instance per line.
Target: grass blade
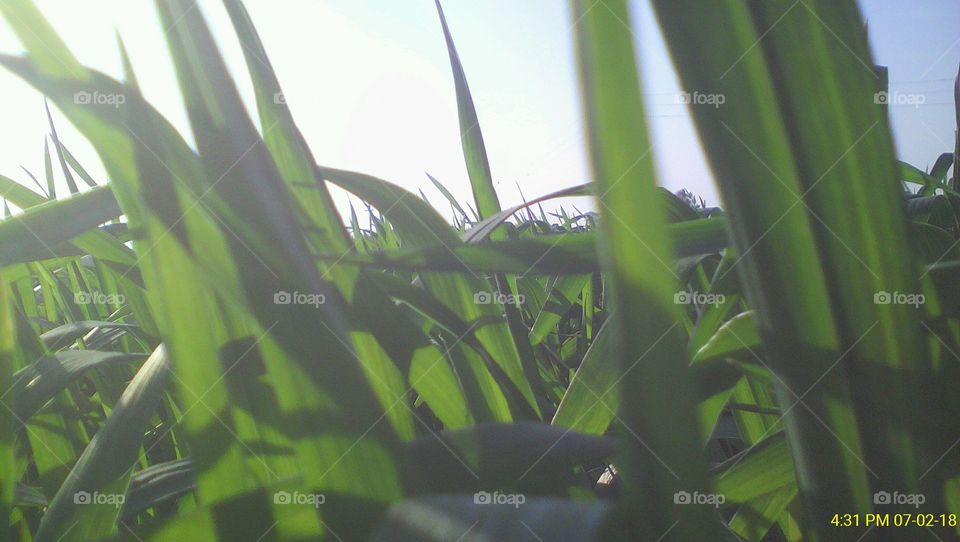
x=647, y=339
x=475, y=153
x=105, y=465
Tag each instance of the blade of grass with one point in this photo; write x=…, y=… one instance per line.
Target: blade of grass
x=564, y=254
x=846, y=153
x=796, y=323
x=107, y=461
x=7, y=419
x=474, y=151
x=29, y=236
x=71, y=183
x=647, y=341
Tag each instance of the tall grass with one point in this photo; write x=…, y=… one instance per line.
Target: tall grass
x=202, y=348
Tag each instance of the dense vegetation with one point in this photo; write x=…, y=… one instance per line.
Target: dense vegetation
x=204, y=349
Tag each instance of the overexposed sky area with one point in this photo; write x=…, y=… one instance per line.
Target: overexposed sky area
x=369, y=84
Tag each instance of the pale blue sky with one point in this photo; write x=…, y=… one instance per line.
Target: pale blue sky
x=370, y=86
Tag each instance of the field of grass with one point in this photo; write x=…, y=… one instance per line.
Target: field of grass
x=203, y=348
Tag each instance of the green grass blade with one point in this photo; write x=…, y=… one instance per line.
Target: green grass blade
x=155, y=204
x=105, y=465
x=7, y=418
x=563, y=254
x=48, y=170
x=72, y=161
x=646, y=337
x=483, y=229
x=796, y=323
x=36, y=384
x=563, y=294
x=19, y=195
x=764, y=467
x=754, y=519
x=845, y=161
x=48, y=51
x=474, y=152
x=286, y=144
x=451, y=199
x=71, y=183
x=737, y=337
x=295, y=166
x=420, y=225
x=591, y=401
x=31, y=235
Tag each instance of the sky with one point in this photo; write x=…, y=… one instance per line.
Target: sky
x=369, y=85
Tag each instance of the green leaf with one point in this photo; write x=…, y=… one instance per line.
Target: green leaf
x=754, y=519
x=474, y=152
x=942, y=166
x=7, y=417
x=71, y=183
x=66, y=334
x=735, y=338
x=49, y=52
x=419, y=225
x=563, y=294
x=30, y=235
x=450, y=198
x=483, y=229
x=593, y=397
x=36, y=384
x=662, y=454
x=764, y=467
x=105, y=465
x=564, y=254
x=75, y=164
x=847, y=152
x=780, y=266
x=323, y=399
x=19, y=195
x=156, y=484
